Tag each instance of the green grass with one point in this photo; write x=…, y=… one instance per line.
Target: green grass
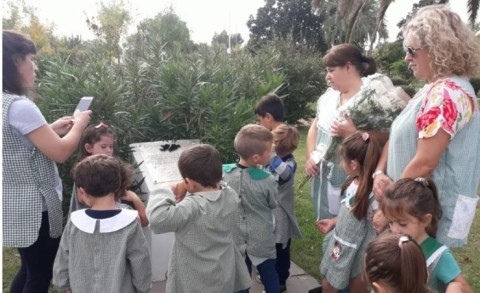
x=307, y=252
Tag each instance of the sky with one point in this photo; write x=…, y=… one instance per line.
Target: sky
x=204, y=18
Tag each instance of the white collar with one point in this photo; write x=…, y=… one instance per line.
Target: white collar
x=87, y=224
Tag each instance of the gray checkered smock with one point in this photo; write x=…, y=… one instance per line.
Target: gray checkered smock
x=254, y=230
x=117, y=261
x=27, y=177
x=344, y=247
x=286, y=226
x=204, y=256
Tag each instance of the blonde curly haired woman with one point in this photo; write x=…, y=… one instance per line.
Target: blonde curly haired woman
x=437, y=135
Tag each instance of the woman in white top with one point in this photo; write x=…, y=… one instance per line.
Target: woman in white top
x=345, y=107
x=32, y=190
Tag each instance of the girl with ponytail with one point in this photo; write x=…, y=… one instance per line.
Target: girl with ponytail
x=412, y=208
x=353, y=228
x=395, y=264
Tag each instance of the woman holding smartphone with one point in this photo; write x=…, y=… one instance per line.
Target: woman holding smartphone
x=32, y=190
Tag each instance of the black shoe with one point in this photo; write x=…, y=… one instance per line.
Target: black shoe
x=315, y=290
x=283, y=288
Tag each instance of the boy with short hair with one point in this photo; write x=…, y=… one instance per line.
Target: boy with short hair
x=103, y=248
x=270, y=111
x=202, y=213
x=258, y=191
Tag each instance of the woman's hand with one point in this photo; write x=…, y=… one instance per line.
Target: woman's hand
x=380, y=184
x=63, y=125
x=82, y=118
x=379, y=222
x=311, y=168
x=343, y=128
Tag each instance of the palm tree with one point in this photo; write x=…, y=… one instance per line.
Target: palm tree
x=347, y=20
x=472, y=7
x=348, y=12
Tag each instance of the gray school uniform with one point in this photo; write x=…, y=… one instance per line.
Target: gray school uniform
x=103, y=255
x=345, y=245
x=204, y=255
x=257, y=190
x=286, y=226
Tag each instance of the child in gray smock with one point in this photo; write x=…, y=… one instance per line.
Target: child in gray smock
x=283, y=166
x=258, y=192
x=345, y=245
x=103, y=248
x=270, y=113
x=202, y=213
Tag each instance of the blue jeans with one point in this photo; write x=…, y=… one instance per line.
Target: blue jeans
x=268, y=275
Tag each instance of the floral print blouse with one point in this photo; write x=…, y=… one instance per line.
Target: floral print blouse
x=447, y=106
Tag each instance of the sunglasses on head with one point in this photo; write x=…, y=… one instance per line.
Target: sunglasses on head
x=412, y=51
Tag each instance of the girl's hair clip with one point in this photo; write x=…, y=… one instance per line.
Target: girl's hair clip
x=403, y=239
x=365, y=136
x=101, y=125
x=422, y=181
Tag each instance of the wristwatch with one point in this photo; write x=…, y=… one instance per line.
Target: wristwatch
x=378, y=172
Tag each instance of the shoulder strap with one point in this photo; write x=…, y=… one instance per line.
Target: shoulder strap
x=435, y=256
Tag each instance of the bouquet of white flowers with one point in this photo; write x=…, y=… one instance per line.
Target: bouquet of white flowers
x=375, y=107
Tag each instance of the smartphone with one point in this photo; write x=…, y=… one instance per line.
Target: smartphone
x=84, y=104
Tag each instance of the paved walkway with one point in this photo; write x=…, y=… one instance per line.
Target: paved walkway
x=299, y=282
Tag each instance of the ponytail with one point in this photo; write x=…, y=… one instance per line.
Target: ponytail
x=436, y=208
x=396, y=261
x=413, y=266
x=369, y=65
x=366, y=150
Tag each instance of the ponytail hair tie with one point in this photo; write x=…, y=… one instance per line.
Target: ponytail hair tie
x=422, y=181
x=365, y=136
x=101, y=125
x=402, y=239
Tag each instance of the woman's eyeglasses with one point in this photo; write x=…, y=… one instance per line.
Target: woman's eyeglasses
x=412, y=51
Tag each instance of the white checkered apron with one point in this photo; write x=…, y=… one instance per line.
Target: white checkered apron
x=27, y=177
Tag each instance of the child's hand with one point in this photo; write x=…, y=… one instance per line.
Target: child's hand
x=179, y=189
x=138, y=205
x=326, y=225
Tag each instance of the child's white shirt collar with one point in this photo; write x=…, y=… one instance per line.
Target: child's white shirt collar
x=87, y=224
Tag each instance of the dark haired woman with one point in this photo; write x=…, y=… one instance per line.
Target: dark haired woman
x=32, y=190
x=358, y=98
